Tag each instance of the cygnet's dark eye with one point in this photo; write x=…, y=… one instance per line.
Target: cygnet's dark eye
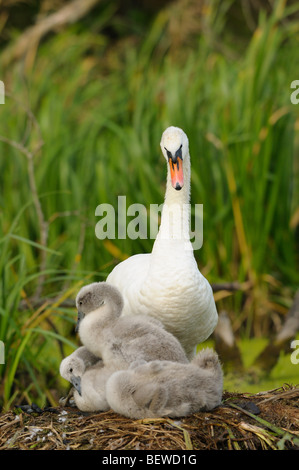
x=80, y=302
x=71, y=369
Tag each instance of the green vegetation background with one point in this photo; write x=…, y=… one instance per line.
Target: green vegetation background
x=84, y=110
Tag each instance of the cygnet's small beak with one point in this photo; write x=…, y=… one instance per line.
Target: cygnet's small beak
x=76, y=382
x=80, y=318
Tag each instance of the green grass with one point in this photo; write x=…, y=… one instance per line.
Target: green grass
x=284, y=372
x=100, y=113
x=249, y=381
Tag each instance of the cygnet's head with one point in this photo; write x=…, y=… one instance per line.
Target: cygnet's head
x=93, y=296
x=72, y=370
x=175, y=148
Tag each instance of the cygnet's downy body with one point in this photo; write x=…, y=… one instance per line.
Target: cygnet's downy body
x=88, y=376
x=163, y=388
x=121, y=340
x=90, y=393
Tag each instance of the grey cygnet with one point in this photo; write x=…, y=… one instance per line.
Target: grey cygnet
x=163, y=388
x=73, y=366
x=88, y=376
x=120, y=340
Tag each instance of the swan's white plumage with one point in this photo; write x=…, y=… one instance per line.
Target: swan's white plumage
x=167, y=283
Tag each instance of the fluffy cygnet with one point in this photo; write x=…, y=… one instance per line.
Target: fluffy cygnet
x=90, y=393
x=88, y=376
x=77, y=363
x=164, y=388
x=121, y=340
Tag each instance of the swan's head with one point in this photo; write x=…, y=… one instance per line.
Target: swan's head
x=175, y=148
x=95, y=295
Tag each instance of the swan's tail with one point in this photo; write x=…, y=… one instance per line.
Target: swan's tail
x=207, y=359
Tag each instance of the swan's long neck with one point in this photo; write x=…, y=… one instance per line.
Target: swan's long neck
x=175, y=218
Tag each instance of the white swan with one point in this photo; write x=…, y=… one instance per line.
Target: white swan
x=167, y=283
x=163, y=388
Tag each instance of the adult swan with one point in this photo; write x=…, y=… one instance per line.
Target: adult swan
x=166, y=283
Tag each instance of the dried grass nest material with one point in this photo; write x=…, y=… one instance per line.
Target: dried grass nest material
x=266, y=420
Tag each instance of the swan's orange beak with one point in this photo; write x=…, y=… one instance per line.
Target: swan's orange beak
x=176, y=173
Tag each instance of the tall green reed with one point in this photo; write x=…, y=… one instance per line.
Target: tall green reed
x=237, y=115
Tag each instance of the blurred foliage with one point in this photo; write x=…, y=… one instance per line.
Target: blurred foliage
x=84, y=112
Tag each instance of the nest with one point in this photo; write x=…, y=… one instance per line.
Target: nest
x=263, y=421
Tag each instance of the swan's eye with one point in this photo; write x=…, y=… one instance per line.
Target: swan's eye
x=169, y=155
x=178, y=153
x=80, y=302
x=71, y=370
